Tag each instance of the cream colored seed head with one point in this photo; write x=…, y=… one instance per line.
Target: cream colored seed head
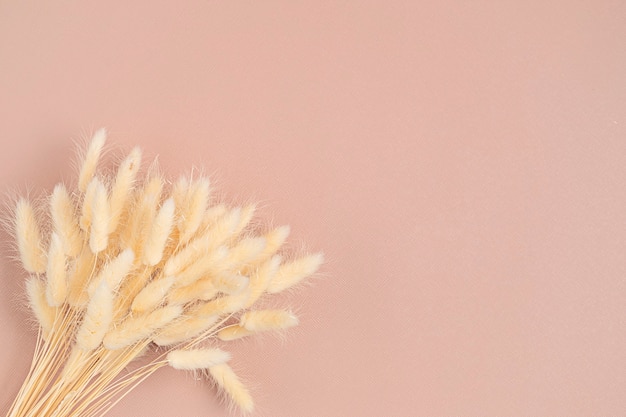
x=193, y=359
x=141, y=327
x=209, y=264
x=228, y=381
x=185, y=329
x=92, y=156
x=246, y=215
x=97, y=319
x=56, y=274
x=264, y=320
x=114, y=271
x=261, y=278
x=201, y=290
x=233, y=332
x=123, y=186
x=64, y=220
x=152, y=295
x=45, y=314
x=231, y=283
x=275, y=239
x=160, y=231
x=79, y=277
x=292, y=273
x=196, y=204
x=100, y=218
x=86, y=208
x=29, y=238
x=244, y=251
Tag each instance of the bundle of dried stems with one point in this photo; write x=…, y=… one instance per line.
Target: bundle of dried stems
x=124, y=264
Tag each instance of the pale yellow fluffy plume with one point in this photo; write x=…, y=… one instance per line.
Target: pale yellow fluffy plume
x=90, y=161
x=141, y=327
x=44, y=313
x=152, y=295
x=56, y=273
x=100, y=218
x=160, y=231
x=186, y=328
x=202, y=289
x=246, y=216
x=233, y=332
x=87, y=204
x=292, y=273
x=231, y=283
x=264, y=320
x=114, y=271
x=260, y=279
x=97, y=319
x=142, y=216
x=123, y=186
x=193, y=359
x=203, y=265
x=274, y=240
x=79, y=278
x=28, y=237
x=243, y=252
x=195, y=205
x=228, y=381
x=64, y=220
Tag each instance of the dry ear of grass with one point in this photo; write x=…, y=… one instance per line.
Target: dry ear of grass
x=97, y=319
x=29, y=238
x=227, y=380
x=121, y=189
x=132, y=262
x=64, y=220
x=193, y=359
x=44, y=313
x=264, y=320
x=91, y=158
x=56, y=290
x=160, y=231
x=292, y=273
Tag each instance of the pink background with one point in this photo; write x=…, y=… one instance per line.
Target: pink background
x=462, y=165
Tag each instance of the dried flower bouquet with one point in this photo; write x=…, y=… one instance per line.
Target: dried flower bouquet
x=120, y=265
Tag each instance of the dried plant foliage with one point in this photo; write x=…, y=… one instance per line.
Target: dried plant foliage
x=129, y=262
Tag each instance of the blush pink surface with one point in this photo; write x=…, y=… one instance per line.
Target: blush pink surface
x=461, y=164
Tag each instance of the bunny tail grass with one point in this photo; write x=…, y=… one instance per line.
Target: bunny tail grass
x=194, y=359
x=228, y=381
x=122, y=261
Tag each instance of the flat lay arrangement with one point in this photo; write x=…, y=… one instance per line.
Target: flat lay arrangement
x=124, y=265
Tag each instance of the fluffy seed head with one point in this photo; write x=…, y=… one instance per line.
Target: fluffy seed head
x=197, y=358
x=263, y=320
x=138, y=328
x=97, y=319
x=292, y=273
x=228, y=381
x=196, y=203
x=161, y=228
x=152, y=295
x=36, y=290
x=114, y=271
x=56, y=274
x=233, y=332
x=100, y=218
x=64, y=220
x=91, y=158
x=123, y=185
x=29, y=238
